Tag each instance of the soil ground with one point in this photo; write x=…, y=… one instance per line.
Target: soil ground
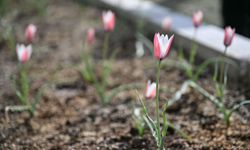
x=70, y=115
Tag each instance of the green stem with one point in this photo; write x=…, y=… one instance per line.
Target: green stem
x=222, y=73
x=84, y=54
x=24, y=85
x=192, y=55
x=99, y=89
x=11, y=40
x=90, y=70
x=157, y=105
x=106, y=69
x=105, y=46
x=25, y=88
x=87, y=72
x=106, y=72
x=195, y=32
x=227, y=116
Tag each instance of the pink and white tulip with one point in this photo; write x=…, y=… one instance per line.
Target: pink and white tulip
x=162, y=45
x=90, y=35
x=197, y=18
x=151, y=90
x=166, y=24
x=228, y=36
x=108, y=18
x=30, y=33
x=23, y=53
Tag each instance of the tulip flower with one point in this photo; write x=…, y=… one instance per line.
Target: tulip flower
x=161, y=50
x=151, y=90
x=197, y=21
x=108, y=19
x=228, y=36
x=90, y=35
x=30, y=32
x=197, y=18
x=23, y=53
x=166, y=24
x=162, y=45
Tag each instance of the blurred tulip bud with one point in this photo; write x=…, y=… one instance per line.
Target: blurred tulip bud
x=151, y=90
x=91, y=35
x=228, y=36
x=197, y=18
x=166, y=24
x=108, y=18
x=30, y=33
x=23, y=53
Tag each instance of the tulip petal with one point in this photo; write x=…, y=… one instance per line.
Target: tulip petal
x=169, y=43
x=23, y=53
x=157, y=52
x=151, y=90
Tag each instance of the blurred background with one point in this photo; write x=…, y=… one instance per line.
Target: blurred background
x=218, y=12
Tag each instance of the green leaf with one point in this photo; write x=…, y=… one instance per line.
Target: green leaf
x=150, y=123
x=193, y=52
x=122, y=88
x=237, y=106
x=87, y=75
x=215, y=76
x=146, y=42
x=180, y=132
x=202, y=68
x=18, y=108
x=21, y=98
x=37, y=98
x=195, y=86
x=225, y=77
x=165, y=122
x=180, y=54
